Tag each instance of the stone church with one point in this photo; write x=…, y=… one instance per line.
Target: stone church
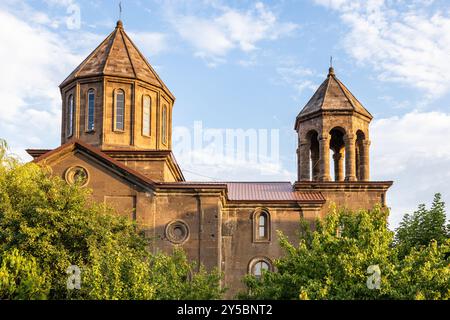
x=116, y=139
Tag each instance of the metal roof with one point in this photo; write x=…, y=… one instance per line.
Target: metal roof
x=269, y=191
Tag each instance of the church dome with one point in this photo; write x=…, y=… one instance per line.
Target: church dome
x=117, y=56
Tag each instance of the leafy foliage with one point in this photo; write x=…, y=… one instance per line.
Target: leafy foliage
x=47, y=225
x=176, y=278
x=331, y=262
x=424, y=273
x=20, y=277
x=423, y=226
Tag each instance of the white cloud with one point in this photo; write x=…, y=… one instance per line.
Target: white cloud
x=303, y=80
x=405, y=43
x=36, y=55
x=69, y=15
x=335, y=4
x=150, y=43
x=29, y=58
x=213, y=37
x=34, y=60
x=298, y=77
x=414, y=151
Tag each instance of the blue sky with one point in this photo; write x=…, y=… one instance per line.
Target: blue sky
x=252, y=65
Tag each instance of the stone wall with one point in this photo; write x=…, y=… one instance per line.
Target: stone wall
x=105, y=135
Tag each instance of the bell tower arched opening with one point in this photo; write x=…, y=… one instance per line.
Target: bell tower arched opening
x=313, y=139
x=337, y=146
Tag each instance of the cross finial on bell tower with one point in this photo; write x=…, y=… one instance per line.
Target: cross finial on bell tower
x=119, y=24
x=331, y=69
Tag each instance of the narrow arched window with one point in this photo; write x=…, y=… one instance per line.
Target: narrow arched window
x=90, y=110
x=259, y=267
x=70, y=112
x=146, y=115
x=120, y=110
x=164, y=124
x=261, y=228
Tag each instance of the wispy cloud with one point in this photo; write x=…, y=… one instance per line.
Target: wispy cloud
x=222, y=29
x=299, y=78
x=414, y=151
x=150, y=43
x=303, y=80
x=36, y=59
x=407, y=43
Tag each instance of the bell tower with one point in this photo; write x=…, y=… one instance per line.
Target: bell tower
x=333, y=128
x=334, y=149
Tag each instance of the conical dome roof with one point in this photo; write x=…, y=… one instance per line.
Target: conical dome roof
x=333, y=95
x=117, y=56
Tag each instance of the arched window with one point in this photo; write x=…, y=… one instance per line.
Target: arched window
x=90, y=110
x=259, y=265
x=262, y=226
x=146, y=115
x=70, y=112
x=261, y=229
x=119, y=110
x=164, y=125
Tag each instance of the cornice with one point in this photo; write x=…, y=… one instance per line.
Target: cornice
x=342, y=185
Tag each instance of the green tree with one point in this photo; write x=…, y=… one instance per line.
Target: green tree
x=176, y=278
x=47, y=225
x=423, y=226
x=424, y=273
x=332, y=262
x=20, y=277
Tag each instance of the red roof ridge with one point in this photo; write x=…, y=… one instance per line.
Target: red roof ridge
x=97, y=152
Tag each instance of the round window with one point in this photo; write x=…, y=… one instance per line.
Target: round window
x=177, y=231
x=77, y=175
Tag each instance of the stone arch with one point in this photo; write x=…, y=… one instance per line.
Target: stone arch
x=261, y=225
x=146, y=113
x=337, y=147
x=308, y=156
x=89, y=115
x=70, y=105
x=119, y=107
x=313, y=139
x=258, y=264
